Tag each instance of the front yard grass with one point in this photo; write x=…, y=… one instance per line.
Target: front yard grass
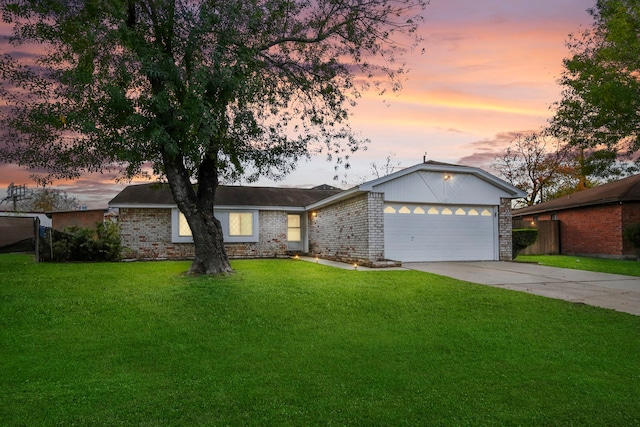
x=603, y=265
x=285, y=342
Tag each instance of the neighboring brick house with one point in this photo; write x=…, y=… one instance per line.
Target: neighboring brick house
x=592, y=221
x=431, y=211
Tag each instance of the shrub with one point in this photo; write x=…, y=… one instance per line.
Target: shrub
x=632, y=234
x=523, y=237
x=83, y=244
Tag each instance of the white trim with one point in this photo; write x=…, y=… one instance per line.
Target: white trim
x=335, y=198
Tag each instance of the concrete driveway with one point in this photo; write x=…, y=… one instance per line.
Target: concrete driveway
x=617, y=292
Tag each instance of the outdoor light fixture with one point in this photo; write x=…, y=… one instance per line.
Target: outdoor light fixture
x=316, y=259
x=355, y=266
x=447, y=177
x=314, y=214
x=296, y=257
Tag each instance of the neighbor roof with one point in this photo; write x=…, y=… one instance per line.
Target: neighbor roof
x=160, y=195
x=624, y=190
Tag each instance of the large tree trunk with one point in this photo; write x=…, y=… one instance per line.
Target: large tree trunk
x=210, y=255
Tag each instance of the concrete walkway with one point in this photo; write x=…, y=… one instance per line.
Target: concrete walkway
x=344, y=266
x=614, y=291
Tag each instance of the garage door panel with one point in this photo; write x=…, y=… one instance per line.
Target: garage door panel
x=469, y=235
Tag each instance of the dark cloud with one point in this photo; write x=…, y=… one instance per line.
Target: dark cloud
x=484, y=152
x=23, y=56
x=500, y=140
x=479, y=159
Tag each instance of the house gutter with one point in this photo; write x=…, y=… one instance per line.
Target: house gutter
x=347, y=194
x=531, y=211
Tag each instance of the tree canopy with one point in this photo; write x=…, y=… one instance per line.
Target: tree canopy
x=48, y=200
x=197, y=90
x=600, y=106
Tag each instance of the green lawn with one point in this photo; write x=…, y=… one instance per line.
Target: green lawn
x=285, y=342
x=615, y=266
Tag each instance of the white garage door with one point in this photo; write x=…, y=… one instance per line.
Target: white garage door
x=440, y=233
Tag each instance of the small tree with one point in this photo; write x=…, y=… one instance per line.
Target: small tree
x=530, y=165
x=48, y=200
x=388, y=167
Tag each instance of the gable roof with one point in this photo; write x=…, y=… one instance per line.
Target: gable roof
x=433, y=166
x=159, y=195
x=623, y=190
x=430, y=166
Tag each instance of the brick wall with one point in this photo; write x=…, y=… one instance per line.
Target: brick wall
x=376, y=226
x=146, y=234
x=273, y=238
x=505, y=229
x=351, y=231
x=595, y=230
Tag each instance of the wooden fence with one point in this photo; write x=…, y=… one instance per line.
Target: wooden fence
x=548, y=242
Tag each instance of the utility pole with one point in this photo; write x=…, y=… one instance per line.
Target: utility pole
x=15, y=193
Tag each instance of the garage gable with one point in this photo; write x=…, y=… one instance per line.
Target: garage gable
x=440, y=187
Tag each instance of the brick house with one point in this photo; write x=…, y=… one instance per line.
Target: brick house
x=431, y=211
x=592, y=221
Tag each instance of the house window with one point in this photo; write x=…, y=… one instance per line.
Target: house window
x=180, y=230
x=237, y=226
x=294, y=230
x=183, y=226
x=240, y=224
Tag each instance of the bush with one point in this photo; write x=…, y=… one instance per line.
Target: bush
x=632, y=234
x=523, y=237
x=83, y=244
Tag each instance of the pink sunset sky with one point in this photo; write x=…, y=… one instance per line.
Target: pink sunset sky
x=489, y=72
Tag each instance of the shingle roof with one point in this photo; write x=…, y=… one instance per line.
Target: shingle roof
x=160, y=194
x=624, y=190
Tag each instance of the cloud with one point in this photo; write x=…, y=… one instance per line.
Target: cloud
x=484, y=152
